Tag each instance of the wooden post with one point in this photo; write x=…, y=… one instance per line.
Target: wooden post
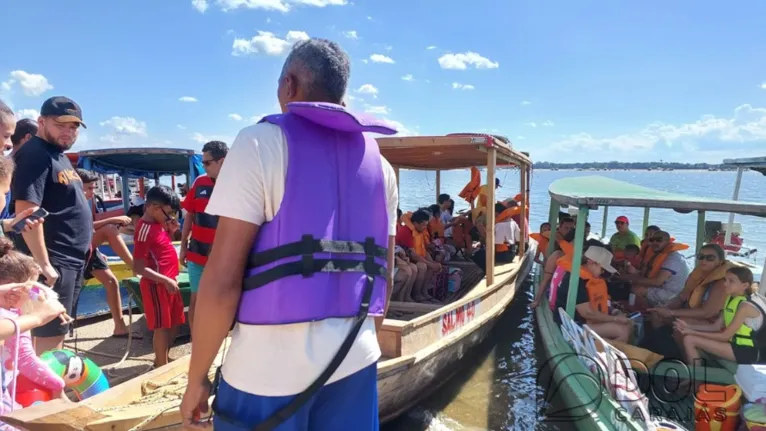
x=646, y=220
x=523, y=218
x=553, y=219
x=438, y=184
x=490, y=237
x=700, y=230
x=604, y=221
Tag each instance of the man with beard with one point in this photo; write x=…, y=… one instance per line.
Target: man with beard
x=45, y=178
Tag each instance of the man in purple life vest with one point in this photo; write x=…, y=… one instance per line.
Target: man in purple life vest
x=316, y=282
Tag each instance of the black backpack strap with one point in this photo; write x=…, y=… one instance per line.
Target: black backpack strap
x=371, y=269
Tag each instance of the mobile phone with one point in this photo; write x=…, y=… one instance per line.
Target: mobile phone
x=21, y=224
x=635, y=315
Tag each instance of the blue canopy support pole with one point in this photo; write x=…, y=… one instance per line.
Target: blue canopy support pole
x=700, y=230
x=553, y=219
x=192, y=173
x=646, y=221
x=574, y=279
x=125, y=190
x=604, y=222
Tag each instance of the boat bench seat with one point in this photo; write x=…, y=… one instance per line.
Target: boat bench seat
x=729, y=366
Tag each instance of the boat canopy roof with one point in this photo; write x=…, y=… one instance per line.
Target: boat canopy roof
x=142, y=162
x=593, y=191
x=757, y=164
x=453, y=151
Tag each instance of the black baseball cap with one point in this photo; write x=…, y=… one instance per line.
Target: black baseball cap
x=64, y=109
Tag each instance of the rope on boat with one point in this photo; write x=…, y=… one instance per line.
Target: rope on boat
x=111, y=370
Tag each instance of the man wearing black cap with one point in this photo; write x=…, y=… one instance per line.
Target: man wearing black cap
x=45, y=178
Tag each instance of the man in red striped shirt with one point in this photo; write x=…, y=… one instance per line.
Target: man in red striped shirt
x=197, y=223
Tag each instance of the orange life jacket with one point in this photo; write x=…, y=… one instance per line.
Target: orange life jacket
x=542, y=241
x=654, y=263
x=471, y=190
x=598, y=294
x=696, y=284
x=420, y=239
x=646, y=252
x=508, y=214
x=435, y=226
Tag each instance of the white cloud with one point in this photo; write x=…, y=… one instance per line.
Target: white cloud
x=125, y=126
x=431, y=47
x=369, y=18
x=267, y=43
x=378, y=110
x=388, y=48
x=521, y=138
x=256, y=118
x=531, y=124
x=402, y=130
x=351, y=34
x=525, y=103
x=200, y=5
x=277, y=5
x=180, y=127
x=408, y=77
x=235, y=117
x=28, y=113
x=547, y=123
x=380, y=58
x=368, y=89
x=459, y=86
x=32, y=84
x=745, y=129
x=188, y=99
x=202, y=139
x=365, y=61
x=463, y=60
x=763, y=86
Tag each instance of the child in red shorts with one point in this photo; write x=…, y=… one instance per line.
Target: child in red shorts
x=156, y=261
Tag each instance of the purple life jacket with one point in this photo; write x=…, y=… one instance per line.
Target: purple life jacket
x=324, y=253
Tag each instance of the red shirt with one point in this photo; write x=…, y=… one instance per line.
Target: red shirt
x=152, y=243
x=404, y=237
x=204, y=224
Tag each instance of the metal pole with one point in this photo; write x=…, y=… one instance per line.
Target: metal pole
x=700, y=230
x=574, y=280
x=438, y=183
x=646, y=221
x=523, y=218
x=604, y=221
x=553, y=219
x=734, y=197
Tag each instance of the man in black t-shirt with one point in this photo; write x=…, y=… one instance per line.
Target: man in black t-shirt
x=45, y=177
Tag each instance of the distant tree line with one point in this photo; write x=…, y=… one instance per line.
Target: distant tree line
x=625, y=165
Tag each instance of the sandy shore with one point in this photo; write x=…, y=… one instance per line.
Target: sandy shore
x=93, y=339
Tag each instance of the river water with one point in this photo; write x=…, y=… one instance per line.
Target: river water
x=498, y=387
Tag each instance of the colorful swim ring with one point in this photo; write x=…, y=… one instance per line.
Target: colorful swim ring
x=80, y=374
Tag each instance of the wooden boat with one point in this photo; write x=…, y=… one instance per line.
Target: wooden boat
x=422, y=346
x=587, y=404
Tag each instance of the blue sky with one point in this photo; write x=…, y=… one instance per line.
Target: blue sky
x=567, y=81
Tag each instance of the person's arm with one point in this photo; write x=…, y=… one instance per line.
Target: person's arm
x=657, y=281
x=120, y=220
x=712, y=327
x=548, y=270
x=188, y=205
x=30, y=365
x=709, y=309
x=748, y=311
x=34, y=238
x=239, y=201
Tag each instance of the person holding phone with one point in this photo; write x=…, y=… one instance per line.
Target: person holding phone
x=45, y=178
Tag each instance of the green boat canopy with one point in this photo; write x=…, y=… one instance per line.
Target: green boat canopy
x=593, y=191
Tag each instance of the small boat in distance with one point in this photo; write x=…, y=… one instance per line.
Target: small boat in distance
x=422, y=344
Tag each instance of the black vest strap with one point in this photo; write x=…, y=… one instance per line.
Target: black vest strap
x=310, y=265
x=309, y=245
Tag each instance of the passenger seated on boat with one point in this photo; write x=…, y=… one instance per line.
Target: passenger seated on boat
x=704, y=294
x=451, y=223
x=436, y=229
x=542, y=238
x=645, y=252
x=507, y=235
x=623, y=236
x=664, y=275
x=405, y=275
x=630, y=253
x=592, y=298
x=737, y=334
x=96, y=266
x=566, y=225
x=552, y=273
x=413, y=236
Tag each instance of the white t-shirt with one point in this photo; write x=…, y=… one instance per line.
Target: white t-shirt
x=282, y=360
x=507, y=232
x=446, y=218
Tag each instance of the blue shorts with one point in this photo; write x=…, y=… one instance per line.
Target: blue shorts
x=348, y=404
x=195, y=275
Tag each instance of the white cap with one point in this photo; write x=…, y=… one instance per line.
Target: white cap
x=601, y=256
x=136, y=201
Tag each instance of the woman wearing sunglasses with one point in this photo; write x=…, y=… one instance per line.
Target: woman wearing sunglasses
x=704, y=292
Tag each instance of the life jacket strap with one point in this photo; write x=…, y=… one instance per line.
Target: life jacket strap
x=309, y=245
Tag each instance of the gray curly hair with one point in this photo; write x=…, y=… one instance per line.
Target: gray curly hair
x=323, y=68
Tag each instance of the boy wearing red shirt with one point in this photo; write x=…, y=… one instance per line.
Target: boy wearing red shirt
x=156, y=261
